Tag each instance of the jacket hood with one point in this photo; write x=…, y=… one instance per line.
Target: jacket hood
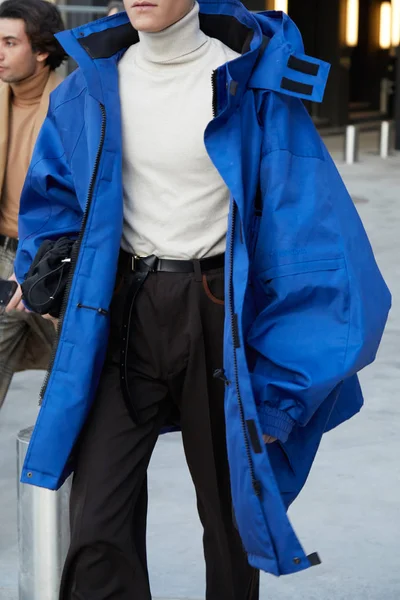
x=283, y=66
x=271, y=47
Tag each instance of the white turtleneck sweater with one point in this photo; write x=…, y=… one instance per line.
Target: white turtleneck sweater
x=175, y=202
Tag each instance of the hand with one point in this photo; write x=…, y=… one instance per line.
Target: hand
x=52, y=319
x=16, y=301
x=268, y=439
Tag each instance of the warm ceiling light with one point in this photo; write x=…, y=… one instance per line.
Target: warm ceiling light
x=395, y=22
x=385, y=28
x=281, y=5
x=352, y=20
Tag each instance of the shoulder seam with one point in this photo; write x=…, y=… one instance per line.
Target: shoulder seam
x=69, y=99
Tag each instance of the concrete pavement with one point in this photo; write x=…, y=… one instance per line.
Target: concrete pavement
x=350, y=509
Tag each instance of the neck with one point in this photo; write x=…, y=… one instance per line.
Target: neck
x=30, y=90
x=175, y=44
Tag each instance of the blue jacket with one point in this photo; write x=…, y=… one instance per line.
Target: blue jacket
x=305, y=302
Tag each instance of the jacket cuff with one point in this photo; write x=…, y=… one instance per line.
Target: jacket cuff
x=275, y=422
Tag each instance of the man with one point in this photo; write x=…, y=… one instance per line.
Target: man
x=29, y=55
x=229, y=196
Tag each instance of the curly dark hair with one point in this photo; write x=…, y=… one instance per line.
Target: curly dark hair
x=42, y=20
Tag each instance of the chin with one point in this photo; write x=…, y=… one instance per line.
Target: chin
x=146, y=24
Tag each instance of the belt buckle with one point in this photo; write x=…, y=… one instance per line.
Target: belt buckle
x=134, y=260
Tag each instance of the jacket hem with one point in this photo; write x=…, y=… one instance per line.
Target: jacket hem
x=263, y=563
x=41, y=480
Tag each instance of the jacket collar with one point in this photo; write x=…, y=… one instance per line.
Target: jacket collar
x=108, y=38
x=278, y=65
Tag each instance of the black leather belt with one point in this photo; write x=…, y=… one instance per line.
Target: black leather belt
x=152, y=264
x=8, y=243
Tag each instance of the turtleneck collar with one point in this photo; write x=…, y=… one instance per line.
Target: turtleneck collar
x=30, y=90
x=177, y=44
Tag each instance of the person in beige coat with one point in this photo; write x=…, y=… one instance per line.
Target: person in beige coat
x=29, y=56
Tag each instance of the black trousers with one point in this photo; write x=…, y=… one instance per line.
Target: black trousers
x=175, y=345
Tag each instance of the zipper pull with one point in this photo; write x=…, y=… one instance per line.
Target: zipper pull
x=100, y=311
x=220, y=374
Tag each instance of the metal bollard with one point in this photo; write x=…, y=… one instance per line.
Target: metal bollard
x=385, y=139
x=43, y=533
x=351, y=144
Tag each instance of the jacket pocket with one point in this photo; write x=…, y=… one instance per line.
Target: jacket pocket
x=312, y=266
x=293, y=283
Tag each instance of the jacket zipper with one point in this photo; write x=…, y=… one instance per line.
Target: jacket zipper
x=214, y=93
x=234, y=320
x=76, y=249
x=236, y=344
